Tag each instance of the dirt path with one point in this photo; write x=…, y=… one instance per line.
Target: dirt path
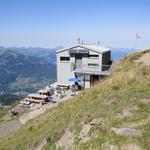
x=13, y=125
x=9, y=127
x=28, y=116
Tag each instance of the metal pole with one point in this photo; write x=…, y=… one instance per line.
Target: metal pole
x=135, y=44
x=84, y=80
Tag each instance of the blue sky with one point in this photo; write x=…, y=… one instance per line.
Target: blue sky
x=49, y=23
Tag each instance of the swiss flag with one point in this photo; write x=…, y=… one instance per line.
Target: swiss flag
x=138, y=36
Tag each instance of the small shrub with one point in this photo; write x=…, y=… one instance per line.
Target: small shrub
x=115, y=87
x=30, y=128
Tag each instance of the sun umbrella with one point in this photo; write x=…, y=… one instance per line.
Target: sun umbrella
x=73, y=79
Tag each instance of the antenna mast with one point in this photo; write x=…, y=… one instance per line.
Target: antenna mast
x=79, y=40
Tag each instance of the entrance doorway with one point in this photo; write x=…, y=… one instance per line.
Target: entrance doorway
x=94, y=79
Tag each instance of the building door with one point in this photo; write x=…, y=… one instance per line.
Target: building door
x=78, y=61
x=94, y=79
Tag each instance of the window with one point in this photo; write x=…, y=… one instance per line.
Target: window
x=92, y=65
x=94, y=56
x=64, y=58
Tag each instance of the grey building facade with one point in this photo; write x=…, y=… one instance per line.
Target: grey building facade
x=88, y=62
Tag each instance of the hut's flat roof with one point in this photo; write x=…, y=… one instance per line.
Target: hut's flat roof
x=96, y=48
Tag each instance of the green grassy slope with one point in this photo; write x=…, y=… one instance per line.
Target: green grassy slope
x=127, y=87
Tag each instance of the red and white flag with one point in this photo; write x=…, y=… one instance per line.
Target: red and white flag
x=138, y=36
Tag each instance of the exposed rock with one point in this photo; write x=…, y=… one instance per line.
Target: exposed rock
x=131, y=146
x=84, y=133
x=87, y=125
x=110, y=100
x=96, y=121
x=67, y=139
x=107, y=146
x=126, y=112
x=128, y=132
x=145, y=101
x=41, y=145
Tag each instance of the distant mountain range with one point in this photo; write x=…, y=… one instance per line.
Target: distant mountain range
x=24, y=72
x=45, y=53
x=118, y=53
x=31, y=68
x=50, y=54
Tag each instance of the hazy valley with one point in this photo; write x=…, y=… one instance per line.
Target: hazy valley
x=114, y=114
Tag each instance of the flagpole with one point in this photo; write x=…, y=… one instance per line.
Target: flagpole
x=135, y=46
x=136, y=39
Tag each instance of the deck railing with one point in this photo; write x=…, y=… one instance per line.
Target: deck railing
x=89, y=67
